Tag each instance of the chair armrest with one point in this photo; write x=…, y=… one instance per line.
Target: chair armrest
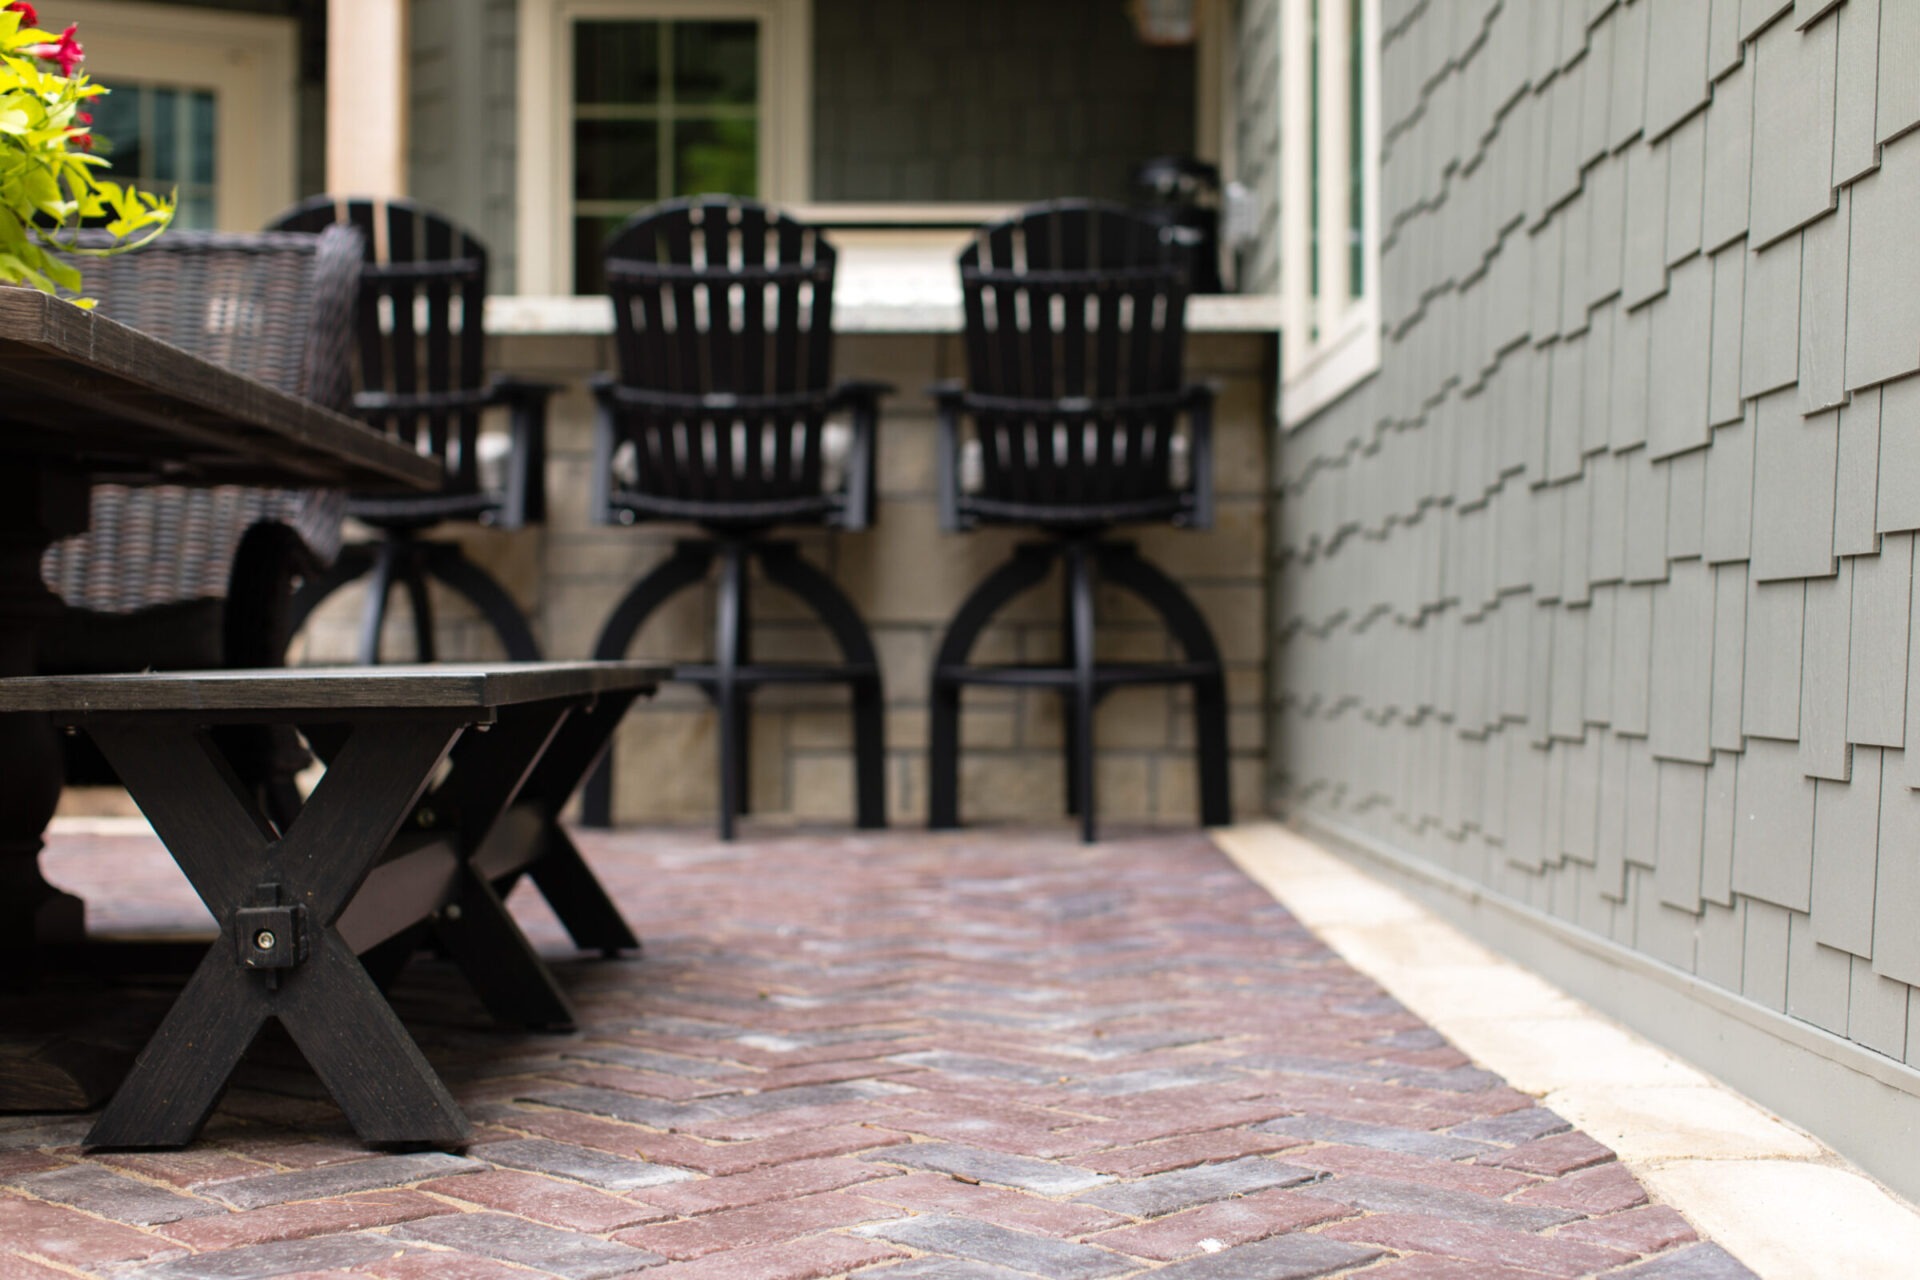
x=1199, y=399
x=606, y=439
x=525, y=500
x=947, y=398
x=863, y=398
x=509, y=388
x=869, y=387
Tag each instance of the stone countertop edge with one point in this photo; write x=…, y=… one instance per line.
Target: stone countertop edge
x=528, y=316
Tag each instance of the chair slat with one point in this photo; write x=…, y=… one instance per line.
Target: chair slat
x=651, y=343
x=436, y=242
x=469, y=292
x=716, y=235
x=786, y=326
x=373, y=348
x=404, y=345
x=684, y=366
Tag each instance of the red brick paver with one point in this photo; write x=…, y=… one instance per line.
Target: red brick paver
x=989, y=1054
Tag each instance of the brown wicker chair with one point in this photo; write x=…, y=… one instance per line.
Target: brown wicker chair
x=176, y=578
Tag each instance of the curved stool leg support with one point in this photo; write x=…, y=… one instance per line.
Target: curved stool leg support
x=727, y=694
x=788, y=570
x=420, y=604
x=445, y=561
x=1068, y=642
x=374, y=616
x=743, y=706
x=1022, y=573
x=1080, y=728
x=1124, y=566
x=684, y=568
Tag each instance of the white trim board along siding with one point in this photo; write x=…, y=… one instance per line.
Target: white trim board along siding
x=545, y=233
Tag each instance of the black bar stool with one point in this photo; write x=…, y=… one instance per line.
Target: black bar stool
x=1075, y=329
x=723, y=319
x=423, y=379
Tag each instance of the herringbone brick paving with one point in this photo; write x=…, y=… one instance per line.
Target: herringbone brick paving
x=991, y=1055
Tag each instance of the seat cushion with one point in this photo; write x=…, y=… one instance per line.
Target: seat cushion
x=973, y=469
x=836, y=446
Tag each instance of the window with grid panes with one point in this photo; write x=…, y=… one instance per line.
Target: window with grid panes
x=661, y=108
x=1330, y=129
x=161, y=137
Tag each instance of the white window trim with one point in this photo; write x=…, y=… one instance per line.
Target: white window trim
x=248, y=61
x=1315, y=372
x=1213, y=103
x=546, y=106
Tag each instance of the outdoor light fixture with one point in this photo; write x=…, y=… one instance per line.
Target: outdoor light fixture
x=1163, y=22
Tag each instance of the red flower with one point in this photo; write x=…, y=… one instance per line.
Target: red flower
x=67, y=52
x=83, y=140
x=28, y=18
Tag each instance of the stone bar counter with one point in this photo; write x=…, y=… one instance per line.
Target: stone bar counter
x=899, y=321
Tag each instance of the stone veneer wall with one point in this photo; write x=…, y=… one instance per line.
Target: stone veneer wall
x=907, y=578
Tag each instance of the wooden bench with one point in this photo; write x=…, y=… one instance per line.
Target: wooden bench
x=443, y=786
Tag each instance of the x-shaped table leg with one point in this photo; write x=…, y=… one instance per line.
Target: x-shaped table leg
x=499, y=805
x=559, y=872
x=489, y=775
x=276, y=900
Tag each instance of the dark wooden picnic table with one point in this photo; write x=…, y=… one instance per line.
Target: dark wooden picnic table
x=443, y=787
x=83, y=400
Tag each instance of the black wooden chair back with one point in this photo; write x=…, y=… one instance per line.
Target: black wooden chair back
x=1075, y=335
x=422, y=345
x=723, y=321
x=1075, y=341
x=422, y=380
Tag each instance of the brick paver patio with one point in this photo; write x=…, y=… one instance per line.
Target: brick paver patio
x=977, y=1057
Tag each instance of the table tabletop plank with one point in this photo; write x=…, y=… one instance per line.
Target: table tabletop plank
x=123, y=405
x=319, y=689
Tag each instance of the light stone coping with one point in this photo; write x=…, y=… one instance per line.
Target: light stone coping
x=1778, y=1199
x=911, y=304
